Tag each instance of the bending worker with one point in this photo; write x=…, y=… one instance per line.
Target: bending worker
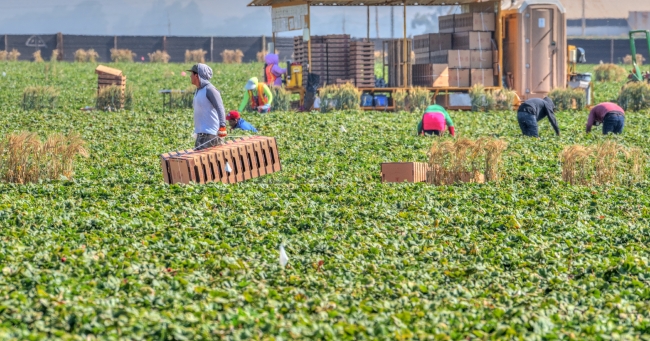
x=236, y=122
x=434, y=120
x=610, y=115
x=273, y=71
x=209, y=114
x=532, y=111
x=257, y=95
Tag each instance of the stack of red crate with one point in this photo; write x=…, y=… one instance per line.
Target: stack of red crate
x=235, y=161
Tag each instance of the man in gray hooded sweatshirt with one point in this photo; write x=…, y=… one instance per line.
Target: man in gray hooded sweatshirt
x=209, y=113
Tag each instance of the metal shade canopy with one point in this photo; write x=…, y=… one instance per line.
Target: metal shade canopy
x=364, y=2
x=368, y=4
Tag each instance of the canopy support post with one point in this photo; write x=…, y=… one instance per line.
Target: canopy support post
x=405, y=54
x=368, y=22
x=499, y=37
x=309, y=41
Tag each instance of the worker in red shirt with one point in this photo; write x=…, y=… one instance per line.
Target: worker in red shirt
x=610, y=115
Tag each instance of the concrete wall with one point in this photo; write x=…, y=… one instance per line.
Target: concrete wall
x=609, y=50
x=143, y=45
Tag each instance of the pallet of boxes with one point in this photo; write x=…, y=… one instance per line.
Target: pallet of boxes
x=235, y=161
x=460, y=56
x=337, y=59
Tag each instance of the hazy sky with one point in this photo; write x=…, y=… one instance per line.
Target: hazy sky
x=194, y=18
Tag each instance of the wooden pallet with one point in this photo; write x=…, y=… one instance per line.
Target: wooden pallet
x=247, y=158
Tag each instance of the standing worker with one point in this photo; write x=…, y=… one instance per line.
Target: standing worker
x=434, y=120
x=209, y=114
x=273, y=72
x=236, y=122
x=257, y=95
x=532, y=111
x=610, y=115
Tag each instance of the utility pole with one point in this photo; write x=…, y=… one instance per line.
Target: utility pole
x=343, y=23
x=584, y=19
x=169, y=25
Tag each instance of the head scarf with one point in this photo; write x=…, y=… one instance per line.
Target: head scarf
x=205, y=74
x=272, y=59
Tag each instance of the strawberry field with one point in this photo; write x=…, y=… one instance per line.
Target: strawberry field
x=114, y=253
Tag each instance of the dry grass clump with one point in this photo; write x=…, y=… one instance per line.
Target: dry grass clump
x=465, y=160
x=504, y=99
x=483, y=100
x=232, y=57
x=11, y=56
x=92, y=56
x=55, y=56
x=87, y=56
x=80, y=56
x=122, y=55
x=195, y=56
x=110, y=98
x=37, y=57
x=639, y=59
x=261, y=56
x=39, y=97
x=281, y=98
x=635, y=96
x=159, y=57
x=418, y=99
x=566, y=99
x=493, y=158
x=609, y=73
x=25, y=158
x=399, y=99
x=606, y=163
x=480, y=99
x=574, y=164
x=339, y=97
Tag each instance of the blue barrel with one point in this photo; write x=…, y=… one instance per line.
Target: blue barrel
x=381, y=101
x=366, y=100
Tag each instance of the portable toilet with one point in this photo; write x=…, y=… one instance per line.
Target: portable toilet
x=534, y=46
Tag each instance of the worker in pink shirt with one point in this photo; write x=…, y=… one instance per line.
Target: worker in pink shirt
x=610, y=115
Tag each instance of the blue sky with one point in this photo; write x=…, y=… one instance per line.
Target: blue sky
x=194, y=18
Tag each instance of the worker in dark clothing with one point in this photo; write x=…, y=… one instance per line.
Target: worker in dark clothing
x=610, y=115
x=532, y=111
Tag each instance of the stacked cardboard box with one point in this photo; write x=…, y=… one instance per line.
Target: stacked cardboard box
x=404, y=171
x=427, y=44
x=233, y=162
x=329, y=56
x=464, y=45
x=362, y=64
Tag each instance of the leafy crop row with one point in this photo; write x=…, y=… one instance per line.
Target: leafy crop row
x=117, y=254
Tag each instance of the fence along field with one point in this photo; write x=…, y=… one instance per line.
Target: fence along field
x=116, y=253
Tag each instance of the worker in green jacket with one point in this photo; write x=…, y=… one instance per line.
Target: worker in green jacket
x=434, y=121
x=257, y=95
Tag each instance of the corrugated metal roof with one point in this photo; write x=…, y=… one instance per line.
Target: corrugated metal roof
x=367, y=2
